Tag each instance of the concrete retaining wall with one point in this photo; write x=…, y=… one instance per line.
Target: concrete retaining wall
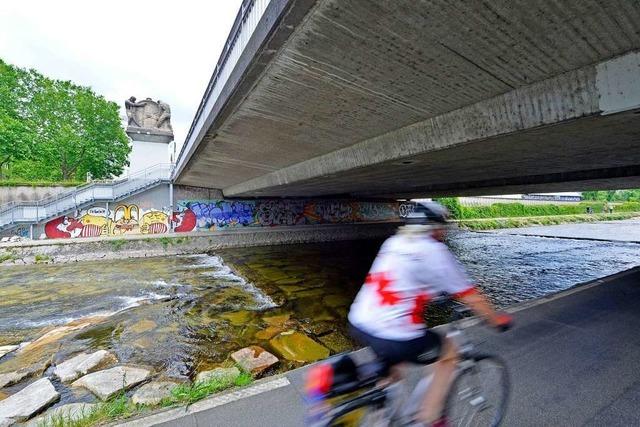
x=24, y=193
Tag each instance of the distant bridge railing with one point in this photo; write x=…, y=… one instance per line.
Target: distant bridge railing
x=246, y=21
x=50, y=207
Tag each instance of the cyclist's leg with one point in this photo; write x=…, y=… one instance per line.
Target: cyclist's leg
x=443, y=374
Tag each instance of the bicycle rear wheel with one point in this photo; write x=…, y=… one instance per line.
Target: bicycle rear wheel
x=479, y=394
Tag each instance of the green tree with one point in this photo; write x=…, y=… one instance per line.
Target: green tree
x=16, y=132
x=61, y=130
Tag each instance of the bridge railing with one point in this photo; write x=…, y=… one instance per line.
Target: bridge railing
x=246, y=21
x=50, y=207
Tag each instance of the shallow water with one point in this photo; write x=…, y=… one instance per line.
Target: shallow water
x=181, y=315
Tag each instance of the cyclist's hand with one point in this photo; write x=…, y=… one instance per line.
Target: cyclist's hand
x=503, y=322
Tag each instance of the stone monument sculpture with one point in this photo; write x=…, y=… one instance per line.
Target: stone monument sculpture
x=148, y=120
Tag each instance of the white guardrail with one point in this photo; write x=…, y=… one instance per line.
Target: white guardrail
x=246, y=21
x=50, y=207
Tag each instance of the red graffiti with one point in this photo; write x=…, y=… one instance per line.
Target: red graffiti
x=62, y=227
x=184, y=221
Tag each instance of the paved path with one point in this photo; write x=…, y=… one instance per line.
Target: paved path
x=616, y=231
x=574, y=361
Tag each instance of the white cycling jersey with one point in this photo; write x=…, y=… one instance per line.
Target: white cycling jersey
x=407, y=272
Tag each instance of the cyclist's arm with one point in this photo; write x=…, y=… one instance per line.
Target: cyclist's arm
x=481, y=306
x=454, y=281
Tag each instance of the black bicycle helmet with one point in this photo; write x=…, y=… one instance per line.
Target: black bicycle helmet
x=425, y=213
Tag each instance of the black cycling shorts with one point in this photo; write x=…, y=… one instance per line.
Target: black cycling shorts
x=423, y=350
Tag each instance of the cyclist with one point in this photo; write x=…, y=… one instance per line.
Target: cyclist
x=412, y=267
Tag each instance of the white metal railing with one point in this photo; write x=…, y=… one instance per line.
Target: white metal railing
x=246, y=21
x=107, y=190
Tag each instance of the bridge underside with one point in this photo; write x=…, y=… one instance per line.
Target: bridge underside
x=401, y=99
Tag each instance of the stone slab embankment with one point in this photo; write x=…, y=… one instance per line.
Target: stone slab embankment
x=139, y=246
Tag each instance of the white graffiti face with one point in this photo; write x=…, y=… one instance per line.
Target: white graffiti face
x=405, y=209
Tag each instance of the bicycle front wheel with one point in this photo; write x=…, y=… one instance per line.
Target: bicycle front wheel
x=479, y=394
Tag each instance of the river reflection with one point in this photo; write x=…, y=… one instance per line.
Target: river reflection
x=182, y=315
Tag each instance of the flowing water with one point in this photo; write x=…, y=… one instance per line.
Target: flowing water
x=181, y=315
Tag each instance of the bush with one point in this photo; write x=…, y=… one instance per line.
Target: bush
x=511, y=210
x=454, y=206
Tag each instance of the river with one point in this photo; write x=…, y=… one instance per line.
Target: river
x=181, y=315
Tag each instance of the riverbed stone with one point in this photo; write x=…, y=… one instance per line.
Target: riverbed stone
x=142, y=326
x=298, y=347
x=11, y=378
x=277, y=320
x=254, y=359
x=319, y=328
x=6, y=349
x=153, y=393
x=238, y=318
x=336, y=341
x=83, y=364
x=68, y=412
x=109, y=382
x=268, y=332
x=29, y=401
x=218, y=373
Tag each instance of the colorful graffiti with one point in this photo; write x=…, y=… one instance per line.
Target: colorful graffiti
x=215, y=214
x=125, y=219
x=183, y=221
x=209, y=215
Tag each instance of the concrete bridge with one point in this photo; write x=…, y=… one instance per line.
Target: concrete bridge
x=415, y=98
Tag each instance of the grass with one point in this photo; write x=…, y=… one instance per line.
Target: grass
x=495, y=223
x=9, y=256
x=41, y=258
x=117, y=244
x=121, y=406
x=189, y=393
x=165, y=241
x=116, y=408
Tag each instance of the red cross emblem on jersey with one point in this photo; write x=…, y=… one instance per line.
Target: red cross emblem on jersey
x=381, y=282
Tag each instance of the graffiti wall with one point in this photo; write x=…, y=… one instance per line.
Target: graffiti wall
x=215, y=214
x=210, y=215
x=124, y=219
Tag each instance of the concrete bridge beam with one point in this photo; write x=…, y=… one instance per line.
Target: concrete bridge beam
x=566, y=128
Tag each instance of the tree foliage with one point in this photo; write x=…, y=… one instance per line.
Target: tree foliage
x=56, y=130
x=613, y=195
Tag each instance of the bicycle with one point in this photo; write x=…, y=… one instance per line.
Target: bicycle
x=353, y=385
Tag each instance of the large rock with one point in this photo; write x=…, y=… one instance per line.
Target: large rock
x=336, y=342
x=6, y=349
x=254, y=359
x=11, y=378
x=29, y=401
x=69, y=412
x=153, y=393
x=83, y=364
x=229, y=374
x=109, y=382
x=298, y=347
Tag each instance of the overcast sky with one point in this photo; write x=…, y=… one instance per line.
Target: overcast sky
x=159, y=49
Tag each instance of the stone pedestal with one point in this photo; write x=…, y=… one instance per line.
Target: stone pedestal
x=149, y=135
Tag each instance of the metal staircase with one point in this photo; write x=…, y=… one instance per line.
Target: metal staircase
x=15, y=213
